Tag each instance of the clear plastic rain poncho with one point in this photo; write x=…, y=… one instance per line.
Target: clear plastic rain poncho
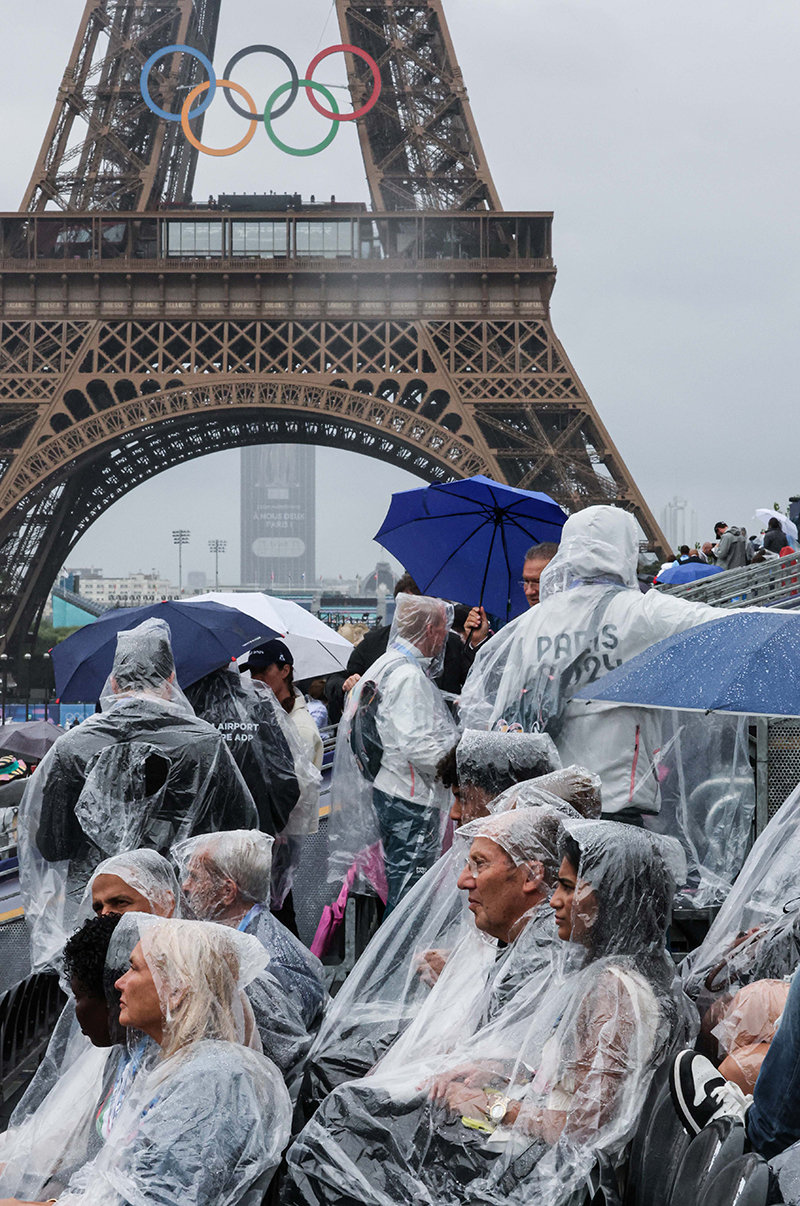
x=488, y=763
x=574, y=785
x=255, y=733
x=592, y=617
x=149, y=874
x=53, y=1131
x=214, y=865
x=756, y=934
x=144, y=772
x=705, y=785
x=395, y=730
x=204, y=1122
x=52, y=1128
x=543, y=1096
x=392, y=982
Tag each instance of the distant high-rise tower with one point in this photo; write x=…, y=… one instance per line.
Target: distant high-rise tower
x=278, y=515
x=679, y=521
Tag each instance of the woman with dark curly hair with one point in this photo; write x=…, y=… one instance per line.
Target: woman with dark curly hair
x=52, y=1131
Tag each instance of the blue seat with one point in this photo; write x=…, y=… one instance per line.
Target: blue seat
x=742, y=1182
x=714, y=1148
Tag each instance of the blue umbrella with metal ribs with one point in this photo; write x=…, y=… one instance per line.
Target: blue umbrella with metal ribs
x=205, y=637
x=746, y=663
x=467, y=540
x=688, y=571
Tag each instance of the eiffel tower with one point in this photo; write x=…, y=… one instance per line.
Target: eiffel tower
x=138, y=331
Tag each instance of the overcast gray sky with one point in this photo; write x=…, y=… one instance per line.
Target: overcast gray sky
x=663, y=133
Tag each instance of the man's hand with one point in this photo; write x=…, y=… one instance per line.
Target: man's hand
x=430, y=965
x=350, y=682
x=476, y=626
x=470, y=1076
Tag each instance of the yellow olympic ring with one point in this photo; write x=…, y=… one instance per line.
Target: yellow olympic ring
x=192, y=97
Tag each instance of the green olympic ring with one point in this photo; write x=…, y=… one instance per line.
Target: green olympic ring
x=282, y=146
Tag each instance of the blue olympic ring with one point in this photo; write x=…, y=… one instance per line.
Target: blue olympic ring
x=151, y=62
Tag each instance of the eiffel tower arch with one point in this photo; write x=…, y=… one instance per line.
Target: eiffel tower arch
x=135, y=337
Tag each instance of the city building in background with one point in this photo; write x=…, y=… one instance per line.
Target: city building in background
x=278, y=517
x=134, y=590
x=679, y=523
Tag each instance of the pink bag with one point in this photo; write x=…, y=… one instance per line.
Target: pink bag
x=369, y=863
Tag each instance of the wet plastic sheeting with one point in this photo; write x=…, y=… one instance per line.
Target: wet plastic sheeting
x=203, y=1120
x=208, y=864
x=397, y=799
x=756, y=934
x=591, y=619
x=256, y=735
x=577, y=1058
x=705, y=786
x=145, y=772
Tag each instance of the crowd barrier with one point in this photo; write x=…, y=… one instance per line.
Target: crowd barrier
x=28, y=1013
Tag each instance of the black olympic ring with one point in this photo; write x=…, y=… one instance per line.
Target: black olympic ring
x=280, y=54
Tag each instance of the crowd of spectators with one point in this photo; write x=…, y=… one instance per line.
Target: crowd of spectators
x=496, y=1040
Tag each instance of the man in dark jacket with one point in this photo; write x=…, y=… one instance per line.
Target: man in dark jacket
x=732, y=551
x=774, y=537
x=251, y=727
x=143, y=772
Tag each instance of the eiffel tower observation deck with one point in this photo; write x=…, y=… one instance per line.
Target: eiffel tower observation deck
x=139, y=330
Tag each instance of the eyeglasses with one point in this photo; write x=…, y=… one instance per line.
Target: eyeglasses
x=474, y=867
x=527, y=582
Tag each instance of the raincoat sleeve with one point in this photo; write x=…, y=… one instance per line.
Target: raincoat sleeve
x=205, y=1128
x=756, y=934
x=285, y=1039
x=57, y=783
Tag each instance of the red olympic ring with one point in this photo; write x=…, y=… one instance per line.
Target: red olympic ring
x=376, y=89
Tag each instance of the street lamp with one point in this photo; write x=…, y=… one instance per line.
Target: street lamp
x=26, y=657
x=216, y=547
x=181, y=537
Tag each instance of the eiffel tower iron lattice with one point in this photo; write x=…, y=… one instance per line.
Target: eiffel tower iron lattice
x=134, y=338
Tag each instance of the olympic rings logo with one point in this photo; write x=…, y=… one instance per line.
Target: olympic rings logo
x=272, y=110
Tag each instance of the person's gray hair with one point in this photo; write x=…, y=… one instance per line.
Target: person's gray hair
x=243, y=856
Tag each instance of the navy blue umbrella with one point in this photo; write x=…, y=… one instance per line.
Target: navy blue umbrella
x=689, y=571
x=467, y=540
x=205, y=636
x=747, y=663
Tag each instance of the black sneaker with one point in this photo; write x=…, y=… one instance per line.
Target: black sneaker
x=700, y=1094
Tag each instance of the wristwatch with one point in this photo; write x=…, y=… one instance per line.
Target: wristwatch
x=499, y=1107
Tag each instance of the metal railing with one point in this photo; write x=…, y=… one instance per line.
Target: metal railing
x=28, y=1014
x=773, y=583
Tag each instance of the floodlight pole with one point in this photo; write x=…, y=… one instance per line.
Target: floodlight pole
x=180, y=537
x=216, y=547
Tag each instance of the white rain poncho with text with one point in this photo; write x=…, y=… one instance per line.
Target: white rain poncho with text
x=569, y=1068
x=387, y=804
x=143, y=772
x=205, y=1121
x=592, y=617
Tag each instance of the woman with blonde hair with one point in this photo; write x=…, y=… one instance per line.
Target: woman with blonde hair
x=204, y=1120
